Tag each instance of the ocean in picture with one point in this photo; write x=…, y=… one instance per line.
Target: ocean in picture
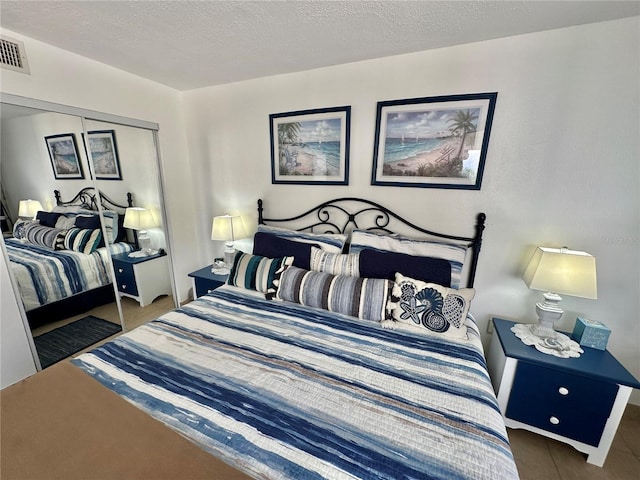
x=66, y=164
x=398, y=149
x=325, y=151
x=315, y=158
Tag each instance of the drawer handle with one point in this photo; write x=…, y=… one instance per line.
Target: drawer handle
x=209, y=291
x=120, y=270
x=124, y=287
x=554, y=420
x=563, y=391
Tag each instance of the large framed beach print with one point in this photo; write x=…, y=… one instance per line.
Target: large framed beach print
x=436, y=142
x=311, y=146
x=63, y=152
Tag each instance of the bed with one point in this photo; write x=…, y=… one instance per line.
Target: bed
x=296, y=368
x=60, y=260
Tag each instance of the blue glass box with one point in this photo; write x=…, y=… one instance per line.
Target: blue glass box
x=591, y=333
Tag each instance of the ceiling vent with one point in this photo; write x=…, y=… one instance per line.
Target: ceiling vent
x=13, y=56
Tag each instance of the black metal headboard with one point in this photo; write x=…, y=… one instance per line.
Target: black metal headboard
x=88, y=198
x=342, y=215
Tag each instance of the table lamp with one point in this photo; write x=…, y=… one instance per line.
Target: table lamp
x=558, y=271
x=227, y=228
x=28, y=209
x=139, y=220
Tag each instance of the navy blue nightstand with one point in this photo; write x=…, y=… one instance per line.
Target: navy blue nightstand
x=205, y=281
x=579, y=401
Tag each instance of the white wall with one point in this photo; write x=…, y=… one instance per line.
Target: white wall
x=562, y=165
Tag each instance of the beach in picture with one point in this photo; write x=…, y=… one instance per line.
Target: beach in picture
x=432, y=143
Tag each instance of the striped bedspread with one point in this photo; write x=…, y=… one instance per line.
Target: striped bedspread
x=45, y=276
x=285, y=391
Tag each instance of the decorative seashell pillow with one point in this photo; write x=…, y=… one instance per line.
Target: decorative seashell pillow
x=438, y=309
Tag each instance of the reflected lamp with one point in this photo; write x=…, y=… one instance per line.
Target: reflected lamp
x=28, y=209
x=140, y=220
x=558, y=271
x=228, y=228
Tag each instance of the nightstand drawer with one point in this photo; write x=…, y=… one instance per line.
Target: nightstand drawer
x=204, y=286
x=125, y=278
x=583, y=427
x=553, y=387
x=569, y=405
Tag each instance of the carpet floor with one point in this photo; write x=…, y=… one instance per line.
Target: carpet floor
x=63, y=342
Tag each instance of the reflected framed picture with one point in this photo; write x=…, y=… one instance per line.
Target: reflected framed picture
x=433, y=142
x=104, y=153
x=311, y=147
x=63, y=152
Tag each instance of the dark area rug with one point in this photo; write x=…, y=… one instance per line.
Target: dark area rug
x=63, y=342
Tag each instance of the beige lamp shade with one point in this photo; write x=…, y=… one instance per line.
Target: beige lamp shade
x=228, y=228
x=562, y=271
x=29, y=208
x=139, y=218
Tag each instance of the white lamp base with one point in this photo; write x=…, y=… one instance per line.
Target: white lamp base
x=229, y=254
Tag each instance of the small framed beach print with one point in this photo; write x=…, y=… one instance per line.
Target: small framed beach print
x=104, y=154
x=311, y=147
x=435, y=142
x=63, y=152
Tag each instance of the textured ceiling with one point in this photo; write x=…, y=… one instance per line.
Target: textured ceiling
x=191, y=44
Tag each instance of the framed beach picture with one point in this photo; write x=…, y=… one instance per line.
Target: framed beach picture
x=436, y=142
x=104, y=153
x=311, y=146
x=63, y=152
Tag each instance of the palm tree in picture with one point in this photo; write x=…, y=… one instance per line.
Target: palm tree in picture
x=287, y=134
x=463, y=123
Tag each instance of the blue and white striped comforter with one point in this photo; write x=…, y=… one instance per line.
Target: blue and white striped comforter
x=45, y=276
x=281, y=390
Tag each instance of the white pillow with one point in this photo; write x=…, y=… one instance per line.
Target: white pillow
x=329, y=242
x=454, y=254
x=430, y=307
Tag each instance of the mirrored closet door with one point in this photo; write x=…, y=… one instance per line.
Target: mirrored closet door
x=124, y=165
x=74, y=190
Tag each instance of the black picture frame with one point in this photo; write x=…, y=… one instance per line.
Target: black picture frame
x=104, y=153
x=311, y=147
x=433, y=142
x=64, y=156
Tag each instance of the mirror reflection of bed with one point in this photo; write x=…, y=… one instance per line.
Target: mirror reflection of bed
x=88, y=304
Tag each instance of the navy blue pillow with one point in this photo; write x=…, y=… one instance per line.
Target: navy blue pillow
x=91, y=222
x=377, y=264
x=272, y=246
x=47, y=219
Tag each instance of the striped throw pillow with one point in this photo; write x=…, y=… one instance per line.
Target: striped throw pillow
x=253, y=272
x=37, y=234
x=364, y=298
x=335, y=263
x=82, y=240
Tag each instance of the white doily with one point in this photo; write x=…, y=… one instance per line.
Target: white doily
x=560, y=346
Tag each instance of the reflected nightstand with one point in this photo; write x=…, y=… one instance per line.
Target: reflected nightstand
x=142, y=278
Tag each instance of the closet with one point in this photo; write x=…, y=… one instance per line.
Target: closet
x=51, y=153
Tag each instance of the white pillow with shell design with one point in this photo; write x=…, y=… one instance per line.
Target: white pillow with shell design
x=435, y=309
